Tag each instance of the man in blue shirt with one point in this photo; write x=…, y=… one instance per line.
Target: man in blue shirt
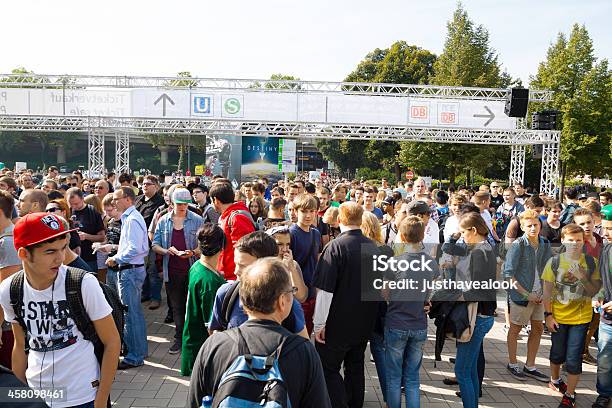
x=128, y=271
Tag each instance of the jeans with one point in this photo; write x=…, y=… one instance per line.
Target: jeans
x=466, y=365
x=155, y=282
x=377, y=349
x=85, y=405
x=129, y=283
x=348, y=391
x=567, y=346
x=403, y=356
x=604, y=360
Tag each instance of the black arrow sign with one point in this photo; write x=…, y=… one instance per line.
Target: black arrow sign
x=164, y=98
x=491, y=116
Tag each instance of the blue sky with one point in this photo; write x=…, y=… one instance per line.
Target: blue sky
x=314, y=40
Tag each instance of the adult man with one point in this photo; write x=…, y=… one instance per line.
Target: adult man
x=507, y=211
x=341, y=339
x=571, y=196
x=200, y=197
x=59, y=356
x=605, y=198
x=323, y=195
x=339, y=193
x=235, y=221
x=129, y=261
x=432, y=231
x=514, y=230
x=32, y=201
x=276, y=214
x=524, y=265
x=497, y=199
x=294, y=190
x=521, y=194
x=147, y=204
x=101, y=189
x=604, y=357
x=368, y=203
x=52, y=173
x=267, y=298
x=9, y=264
x=89, y=223
x=49, y=185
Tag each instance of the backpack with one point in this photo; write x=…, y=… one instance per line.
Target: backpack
x=502, y=248
x=255, y=381
x=243, y=212
x=74, y=297
x=230, y=298
x=556, y=260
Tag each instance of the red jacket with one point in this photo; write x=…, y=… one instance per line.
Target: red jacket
x=240, y=225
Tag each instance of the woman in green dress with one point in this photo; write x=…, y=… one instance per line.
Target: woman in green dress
x=204, y=280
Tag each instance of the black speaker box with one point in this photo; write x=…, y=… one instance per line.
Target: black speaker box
x=516, y=103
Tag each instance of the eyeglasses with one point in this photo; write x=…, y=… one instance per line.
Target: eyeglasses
x=148, y=184
x=73, y=184
x=293, y=291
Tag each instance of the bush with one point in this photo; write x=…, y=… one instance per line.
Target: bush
x=375, y=174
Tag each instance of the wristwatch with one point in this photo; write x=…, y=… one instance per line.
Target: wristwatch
x=546, y=314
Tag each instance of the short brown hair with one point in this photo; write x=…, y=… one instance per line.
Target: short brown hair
x=581, y=212
x=481, y=197
x=7, y=204
x=571, y=229
x=593, y=206
x=457, y=199
x=412, y=230
x=262, y=283
x=305, y=202
x=10, y=182
x=350, y=213
x=474, y=220
x=108, y=200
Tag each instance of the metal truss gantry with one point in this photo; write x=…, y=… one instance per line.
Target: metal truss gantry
x=517, y=164
x=95, y=151
x=122, y=127
x=265, y=85
x=122, y=152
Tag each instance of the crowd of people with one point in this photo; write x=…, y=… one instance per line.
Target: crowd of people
x=271, y=283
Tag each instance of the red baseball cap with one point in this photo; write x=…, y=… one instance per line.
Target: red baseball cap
x=35, y=228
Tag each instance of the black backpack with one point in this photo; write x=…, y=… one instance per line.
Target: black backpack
x=230, y=299
x=74, y=297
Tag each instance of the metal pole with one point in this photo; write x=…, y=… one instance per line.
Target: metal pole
x=189, y=152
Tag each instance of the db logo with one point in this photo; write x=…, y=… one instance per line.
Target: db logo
x=419, y=112
x=232, y=106
x=447, y=117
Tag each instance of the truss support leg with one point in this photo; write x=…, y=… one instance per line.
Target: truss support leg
x=517, y=164
x=122, y=152
x=549, y=178
x=95, y=152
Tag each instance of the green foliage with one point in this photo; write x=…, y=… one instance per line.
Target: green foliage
x=376, y=174
x=467, y=60
x=583, y=93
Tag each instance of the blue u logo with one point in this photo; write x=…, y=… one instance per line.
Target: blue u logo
x=201, y=104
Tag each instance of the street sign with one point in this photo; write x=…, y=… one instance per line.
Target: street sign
x=199, y=170
x=409, y=175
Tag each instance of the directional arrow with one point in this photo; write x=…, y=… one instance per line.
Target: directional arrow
x=491, y=116
x=165, y=98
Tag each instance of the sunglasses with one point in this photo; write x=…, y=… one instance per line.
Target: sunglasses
x=53, y=209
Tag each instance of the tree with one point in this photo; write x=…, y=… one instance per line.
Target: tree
x=400, y=64
x=467, y=60
x=583, y=94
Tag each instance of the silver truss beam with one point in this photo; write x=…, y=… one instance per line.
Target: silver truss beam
x=287, y=129
x=95, y=151
x=517, y=164
x=122, y=152
x=549, y=177
x=100, y=81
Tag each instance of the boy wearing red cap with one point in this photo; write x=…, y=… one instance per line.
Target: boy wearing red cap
x=59, y=358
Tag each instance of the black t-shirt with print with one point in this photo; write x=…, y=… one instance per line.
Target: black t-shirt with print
x=87, y=220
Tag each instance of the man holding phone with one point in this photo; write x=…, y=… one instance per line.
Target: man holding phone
x=176, y=239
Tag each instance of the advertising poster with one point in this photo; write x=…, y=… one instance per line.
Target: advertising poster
x=223, y=156
x=260, y=158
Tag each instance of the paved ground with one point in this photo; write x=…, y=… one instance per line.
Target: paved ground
x=159, y=384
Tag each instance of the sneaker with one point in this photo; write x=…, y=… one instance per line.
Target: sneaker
x=589, y=359
x=561, y=387
x=516, y=372
x=601, y=402
x=567, y=402
x=536, y=374
x=175, y=349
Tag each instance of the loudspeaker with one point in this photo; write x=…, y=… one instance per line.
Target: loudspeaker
x=545, y=120
x=516, y=103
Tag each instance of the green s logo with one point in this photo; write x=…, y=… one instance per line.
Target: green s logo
x=232, y=106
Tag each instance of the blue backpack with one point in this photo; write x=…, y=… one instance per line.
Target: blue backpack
x=255, y=381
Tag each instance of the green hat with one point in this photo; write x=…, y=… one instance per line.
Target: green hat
x=606, y=212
